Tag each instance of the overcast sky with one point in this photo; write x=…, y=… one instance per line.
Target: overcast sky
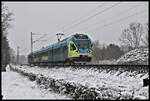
x=71, y=17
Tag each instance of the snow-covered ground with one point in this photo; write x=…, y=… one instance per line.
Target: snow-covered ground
x=136, y=56
x=16, y=86
x=126, y=83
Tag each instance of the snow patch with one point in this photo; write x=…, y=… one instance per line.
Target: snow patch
x=136, y=56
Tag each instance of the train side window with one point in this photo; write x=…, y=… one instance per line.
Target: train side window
x=58, y=51
x=64, y=49
x=72, y=47
x=54, y=51
x=46, y=54
x=50, y=52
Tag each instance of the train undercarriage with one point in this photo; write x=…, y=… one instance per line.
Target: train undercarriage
x=70, y=61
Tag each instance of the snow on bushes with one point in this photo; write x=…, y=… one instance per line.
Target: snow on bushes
x=106, y=87
x=134, y=57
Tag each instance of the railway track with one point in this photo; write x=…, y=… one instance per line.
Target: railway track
x=137, y=68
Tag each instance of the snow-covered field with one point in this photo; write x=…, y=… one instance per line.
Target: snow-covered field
x=16, y=86
x=116, y=83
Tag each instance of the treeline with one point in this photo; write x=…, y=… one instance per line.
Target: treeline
x=102, y=52
x=6, y=51
x=134, y=36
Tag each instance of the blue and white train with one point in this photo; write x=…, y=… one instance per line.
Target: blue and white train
x=76, y=48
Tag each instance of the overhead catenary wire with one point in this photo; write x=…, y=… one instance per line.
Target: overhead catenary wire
x=49, y=38
x=44, y=36
x=92, y=16
x=96, y=13
x=120, y=14
x=81, y=17
x=119, y=20
x=40, y=38
x=84, y=20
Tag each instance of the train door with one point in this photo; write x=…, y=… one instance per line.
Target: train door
x=72, y=49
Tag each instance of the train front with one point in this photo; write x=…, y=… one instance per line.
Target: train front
x=80, y=48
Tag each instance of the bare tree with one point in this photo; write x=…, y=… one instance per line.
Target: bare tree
x=145, y=38
x=5, y=18
x=131, y=36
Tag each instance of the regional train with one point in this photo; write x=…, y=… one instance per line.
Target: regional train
x=74, y=49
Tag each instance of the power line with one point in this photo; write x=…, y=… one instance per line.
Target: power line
x=84, y=15
x=43, y=37
x=120, y=13
x=39, y=39
x=78, y=18
x=80, y=22
x=94, y=15
x=111, y=23
x=48, y=38
x=39, y=45
x=137, y=13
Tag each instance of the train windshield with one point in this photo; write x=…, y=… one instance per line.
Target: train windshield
x=83, y=44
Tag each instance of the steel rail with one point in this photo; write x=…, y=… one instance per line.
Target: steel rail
x=139, y=68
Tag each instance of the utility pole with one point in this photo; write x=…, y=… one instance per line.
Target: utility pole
x=31, y=44
x=59, y=35
x=17, y=54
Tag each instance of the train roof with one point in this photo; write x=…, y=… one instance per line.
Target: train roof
x=62, y=42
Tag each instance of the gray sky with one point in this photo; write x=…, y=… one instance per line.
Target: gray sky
x=53, y=17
